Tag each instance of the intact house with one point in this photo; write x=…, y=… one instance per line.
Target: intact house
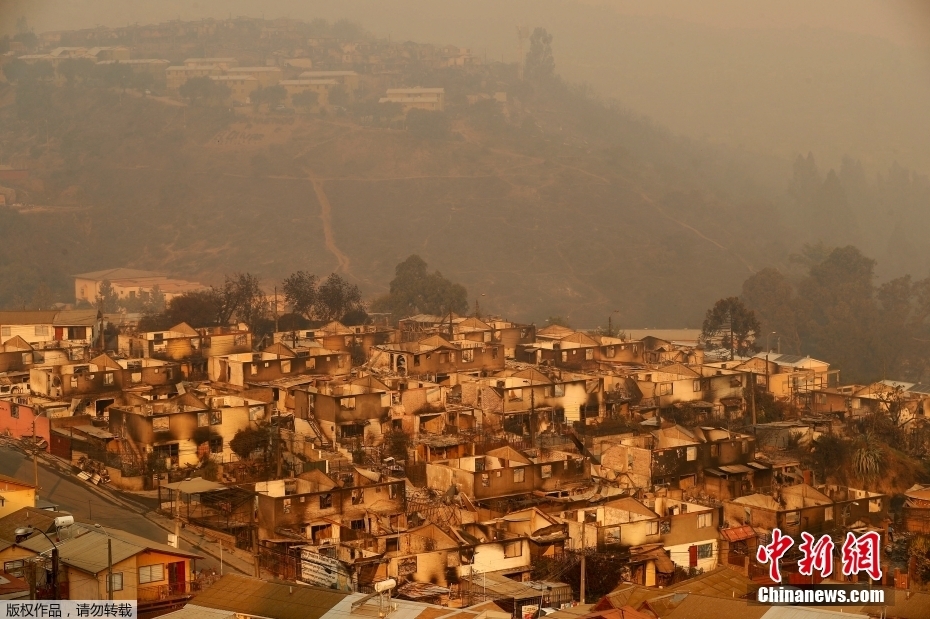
x=71, y=329
x=15, y=495
x=437, y=358
x=805, y=508
x=506, y=472
x=687, y=531
x=152, y=573
x=183, y=430
x=128, y=283
x=682, y=458
x=430, y=99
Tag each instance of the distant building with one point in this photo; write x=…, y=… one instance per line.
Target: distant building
x=129, y=282
x=430, y=99
x=266, y=76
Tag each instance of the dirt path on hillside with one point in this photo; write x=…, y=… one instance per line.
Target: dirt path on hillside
x=329, y=239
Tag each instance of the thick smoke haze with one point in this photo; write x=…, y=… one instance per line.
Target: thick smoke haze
x=835, y=77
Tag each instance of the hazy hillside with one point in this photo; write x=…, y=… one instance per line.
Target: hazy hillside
x=570, y=209
x=554, y=203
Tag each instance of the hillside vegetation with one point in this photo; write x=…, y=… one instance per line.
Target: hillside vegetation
x=553, y=203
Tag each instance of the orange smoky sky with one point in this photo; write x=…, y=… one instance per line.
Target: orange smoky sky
x=905, y=22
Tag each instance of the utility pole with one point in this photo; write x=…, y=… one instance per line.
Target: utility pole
x=56, y=594
x=109, y=568
x=275, y=309
x=752, y=395
x=584, y=529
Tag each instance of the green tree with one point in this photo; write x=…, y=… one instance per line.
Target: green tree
x=273, y=96
x=868, y=458
x=770, y=295
x=198, y=308
x=558, y=320
x=335, y=298
x=540, y=64
x=306, y=99
x=415, y=290
x=107, y=300
x=729, y=324
x=300, y=292
x=76, y=69
x=241, y=296
x=838, y=314
x=203, y=89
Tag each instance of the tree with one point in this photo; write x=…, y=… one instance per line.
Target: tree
x=248, y=440
x=107, y=300
x=837, y=312
x=273, y=96
x=558, y=320
x=771, y=296
x=198, y=308
x=414, y=291
x=335, y=298
x=918, y=548
x=241, y=296
x=868, y=458
x=300, y=292
x=204, y=89
x=729, y=324
x=306, y=99
x=338, y=95
x=76, y=69
x=540, y=64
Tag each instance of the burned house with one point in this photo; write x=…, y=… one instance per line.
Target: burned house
x=185, y=429
x=687, y=531
x=805, y=508
x=681, y=458
x=188, y=346
x=356, y=340
x=437, y=359
x=358, y=501
x=506, y=472
x=97, y=384
x=348, y=412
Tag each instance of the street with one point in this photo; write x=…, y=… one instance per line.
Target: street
x=75, y=497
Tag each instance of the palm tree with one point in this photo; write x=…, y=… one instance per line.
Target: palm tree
x=868, y=458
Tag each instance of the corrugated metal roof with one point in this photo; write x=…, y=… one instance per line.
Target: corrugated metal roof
x=797, y=612
x=27, y=318
x=736, y=468
x=76, y=318
x=87, y=550
x=251, y=596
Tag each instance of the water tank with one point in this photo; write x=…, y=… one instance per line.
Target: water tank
x=63, y=521
x=385, y=585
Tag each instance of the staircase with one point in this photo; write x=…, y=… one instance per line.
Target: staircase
x=325, y=443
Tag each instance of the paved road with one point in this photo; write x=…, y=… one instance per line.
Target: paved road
x=74, y=496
